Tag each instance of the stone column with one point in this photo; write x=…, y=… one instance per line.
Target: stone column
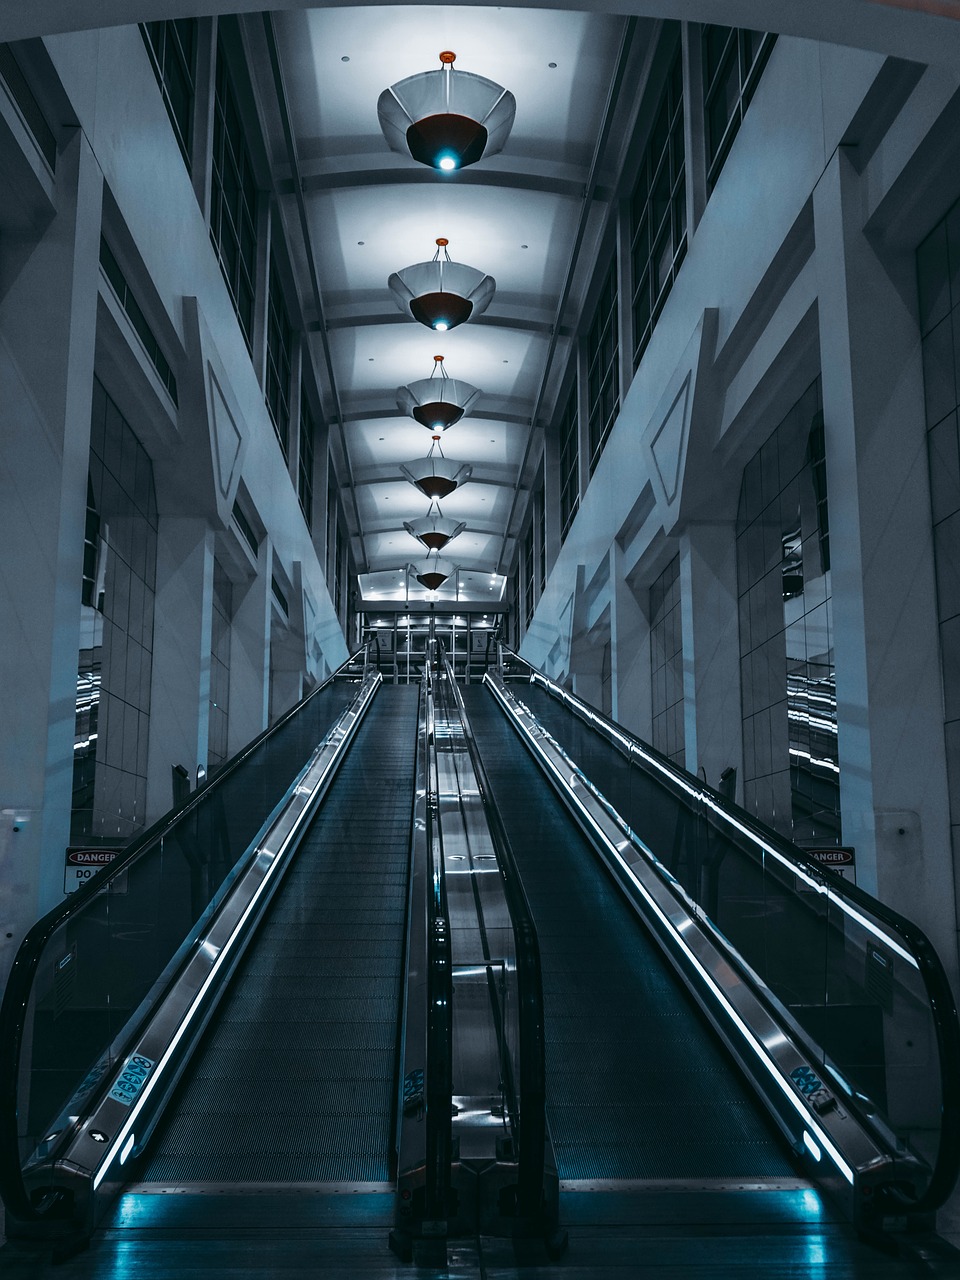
x=890, y=711
x=47, y=334
x=713, y=729
x=180, y=689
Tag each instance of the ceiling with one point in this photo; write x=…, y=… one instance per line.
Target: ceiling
x=530, y=217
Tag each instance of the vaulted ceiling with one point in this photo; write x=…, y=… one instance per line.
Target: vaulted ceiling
x=533, y=217
x=356, y=211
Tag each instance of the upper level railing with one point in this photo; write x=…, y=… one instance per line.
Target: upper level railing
x=90, y=972
x=862, y=987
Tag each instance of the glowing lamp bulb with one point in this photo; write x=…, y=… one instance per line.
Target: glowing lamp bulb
x=447, y=164
x=441, y=326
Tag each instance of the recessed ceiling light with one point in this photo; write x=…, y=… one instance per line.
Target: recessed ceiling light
x=383, y=438
x=524, y=246
x=551, y=65
x=364, y=242
x=345, y=58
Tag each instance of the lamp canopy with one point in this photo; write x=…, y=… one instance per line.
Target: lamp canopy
x=437, y=402
x=441, y=294
x=446, y=119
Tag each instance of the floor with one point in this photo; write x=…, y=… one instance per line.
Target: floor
x=664, y=1234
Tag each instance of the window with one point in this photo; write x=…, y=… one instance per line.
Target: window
x=540, y=521
x=115, y=664
x=569, y=462
x=279, y=596
x=305, y=462
x=172, y=47
x=338, y=558
x=788, y=684
x=528, y=592
x=603, y=374
x=658, y=213
x=29, y=107
x=733, y=61
x=219, y=668
x=233, y=200
x=666, y=663
x=246, y=528
x=279, y=347
x=136, y=317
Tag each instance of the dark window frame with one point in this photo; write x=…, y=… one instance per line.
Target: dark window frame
x=172, y=48
x=603, y=364
x=234, y=199
x=733, y=61
x=658, y=211
x=306, y=457
x=279, y=357
x=569, y=435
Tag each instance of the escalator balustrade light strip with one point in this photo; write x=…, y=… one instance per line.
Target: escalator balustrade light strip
x=718, y=994
x=705, y=798
x=812, y=1147
x=334, y=739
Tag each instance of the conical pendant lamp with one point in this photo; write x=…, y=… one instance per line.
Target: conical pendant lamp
x=436, y=476
x=446, y=119
x=434, y=530
x=441, y=294
x=437, y=402
x=433, y=579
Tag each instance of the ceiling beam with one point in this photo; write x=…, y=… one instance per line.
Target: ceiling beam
x=396, y=175
x=396, y=317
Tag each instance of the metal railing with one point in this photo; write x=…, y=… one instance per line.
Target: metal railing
x=855, y=978
x=92, y=970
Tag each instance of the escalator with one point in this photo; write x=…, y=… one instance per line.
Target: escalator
x=299, y=1067
x=638, y=1088
x=219, y=1014
x=585, y=1007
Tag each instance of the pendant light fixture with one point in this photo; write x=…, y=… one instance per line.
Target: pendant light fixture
x=436, y=476
x=446, y=119
x=434, y=530
x=437, y=402
x=433, y=579
x=441, y=293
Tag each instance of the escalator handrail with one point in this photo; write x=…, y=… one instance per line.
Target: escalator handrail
x=532, y=1033
x=439, y=1075
x=943, y=1009
x=16, y=996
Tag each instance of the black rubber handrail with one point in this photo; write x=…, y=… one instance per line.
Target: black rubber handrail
x=532, y=1035
x=439, y=1076
x=16, y=998
x=943, y=1009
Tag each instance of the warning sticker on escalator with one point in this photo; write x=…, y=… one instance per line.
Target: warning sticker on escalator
x=131, y=1079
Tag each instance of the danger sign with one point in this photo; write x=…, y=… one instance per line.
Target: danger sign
x=80, y=865
x=834, y=856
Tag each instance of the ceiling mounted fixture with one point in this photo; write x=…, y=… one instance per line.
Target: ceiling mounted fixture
x=436, y=476
x=434, y=530
x=446, y=119
x=441, y=293
x=433, y=579
x=437, y=402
